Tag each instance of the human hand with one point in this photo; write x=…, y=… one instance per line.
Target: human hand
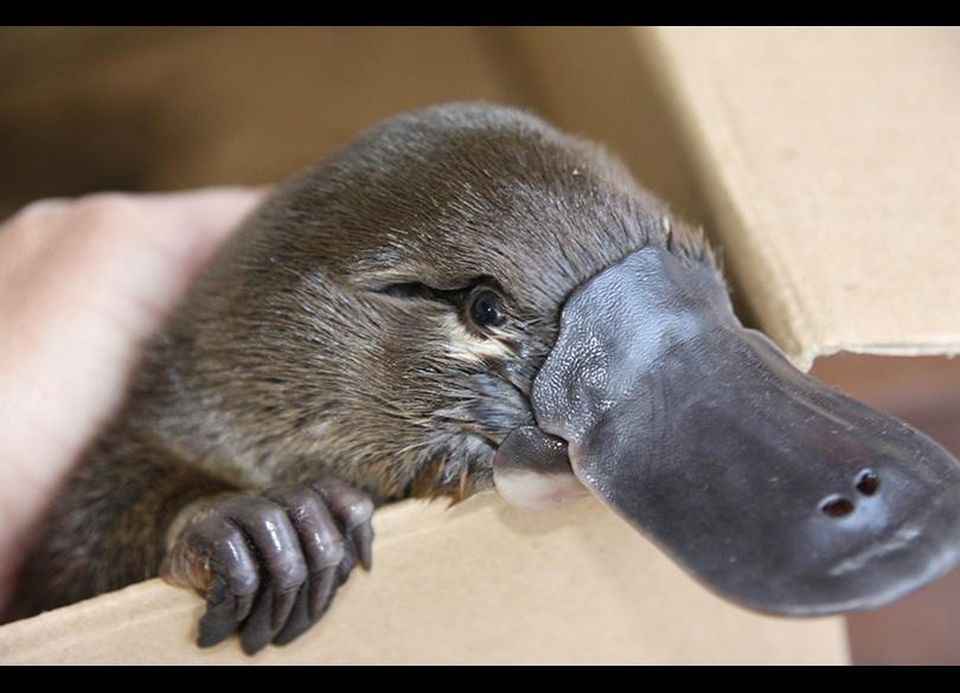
x=82, y=284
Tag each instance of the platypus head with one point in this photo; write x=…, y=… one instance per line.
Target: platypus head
x=464, y=295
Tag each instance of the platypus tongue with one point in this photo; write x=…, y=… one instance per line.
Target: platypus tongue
x=769, y=487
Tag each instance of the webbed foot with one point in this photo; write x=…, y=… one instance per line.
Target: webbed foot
x=269, y=564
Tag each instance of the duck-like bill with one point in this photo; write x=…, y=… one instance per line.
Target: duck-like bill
x=769, y=487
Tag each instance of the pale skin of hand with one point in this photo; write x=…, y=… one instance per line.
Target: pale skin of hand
x=83, y=283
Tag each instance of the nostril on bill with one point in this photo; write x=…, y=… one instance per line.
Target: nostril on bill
x=868, y=482
x=837, y=506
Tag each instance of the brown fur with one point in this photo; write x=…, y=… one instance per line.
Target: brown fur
x=313, y=341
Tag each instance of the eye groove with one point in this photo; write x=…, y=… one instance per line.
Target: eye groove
x=837, y=506
x=868, y=482
x=419, y=290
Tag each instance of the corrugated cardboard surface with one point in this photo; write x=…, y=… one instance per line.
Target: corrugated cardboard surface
x=480, y=583
x=831, y=158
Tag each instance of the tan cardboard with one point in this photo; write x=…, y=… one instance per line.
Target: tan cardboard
x=480, y=583
x=826, y=162
x=832, y=163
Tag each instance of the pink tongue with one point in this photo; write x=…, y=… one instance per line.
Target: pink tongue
x=531, y=471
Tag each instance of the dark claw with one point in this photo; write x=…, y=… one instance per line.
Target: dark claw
x=348, y=505
x=363, y=539
x=216, y=625
x=300, y=619
x=244, y=606
x=256, y=632
x=281, y=562
x=220, y=619
x=283, y=603
x=348, y=563
x=269, y=565
x=321, y=591
x=212, y=556
x=354, y=512
x=225, y=609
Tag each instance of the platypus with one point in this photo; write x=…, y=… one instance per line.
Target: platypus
x=464, y=298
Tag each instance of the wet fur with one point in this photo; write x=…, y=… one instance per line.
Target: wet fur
x=312, y=343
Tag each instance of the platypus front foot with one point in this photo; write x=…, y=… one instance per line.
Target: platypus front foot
x=269, y=564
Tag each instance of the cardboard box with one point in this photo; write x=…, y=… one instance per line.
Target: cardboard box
x=825, y=162
x=479, y=583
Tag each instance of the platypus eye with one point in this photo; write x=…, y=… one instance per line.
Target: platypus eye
x=479, y=305
x=485, y=308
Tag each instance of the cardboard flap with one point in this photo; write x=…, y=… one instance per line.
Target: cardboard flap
x=831, y=158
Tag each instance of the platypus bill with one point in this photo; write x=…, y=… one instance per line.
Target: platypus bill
x=464, y=297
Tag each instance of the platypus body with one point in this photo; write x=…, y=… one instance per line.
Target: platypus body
x=464, y=297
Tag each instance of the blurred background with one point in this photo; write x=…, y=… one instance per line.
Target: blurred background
x=147, y=109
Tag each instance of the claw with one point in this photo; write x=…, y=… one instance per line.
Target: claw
x=283, y=603
x=300, y=619
x=269, y=565
x=363, y=540
x=244, y=605
x=216, y=625
x=257, y=631
x=321, y=590
x=348, y=563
